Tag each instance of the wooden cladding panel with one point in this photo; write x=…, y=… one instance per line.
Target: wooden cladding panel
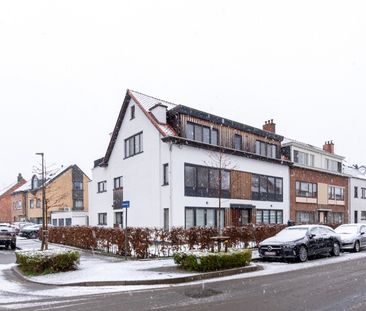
x=226, y=134
x=241, y=185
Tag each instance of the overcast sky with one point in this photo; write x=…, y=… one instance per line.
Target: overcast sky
x=65, y=67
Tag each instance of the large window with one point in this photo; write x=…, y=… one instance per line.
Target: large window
x=265, y=149
x=333, y=165
x=102, y=219
x=306, y=189
x=102, y=186
x=133, y=145
x=202, y=133
x=204, y=181
x=267, y=188
x=269, y=217
x=305, y=217
x=203, y=217
x=335, y=193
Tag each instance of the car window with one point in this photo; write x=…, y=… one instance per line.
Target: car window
x=327, y=231
x=315, y=231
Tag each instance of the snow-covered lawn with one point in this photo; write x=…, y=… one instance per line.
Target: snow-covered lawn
x=101, y=268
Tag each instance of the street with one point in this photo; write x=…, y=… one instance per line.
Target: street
x=336, y=286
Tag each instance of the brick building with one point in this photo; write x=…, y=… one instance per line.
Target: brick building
x=318, y=185
x=6, y=203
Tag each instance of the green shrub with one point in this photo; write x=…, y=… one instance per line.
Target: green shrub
x=204, y=262
x=44, y=262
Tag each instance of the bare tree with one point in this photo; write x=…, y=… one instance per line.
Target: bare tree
x=219, y=179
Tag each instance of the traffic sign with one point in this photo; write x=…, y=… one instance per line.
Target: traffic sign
x=125, y=204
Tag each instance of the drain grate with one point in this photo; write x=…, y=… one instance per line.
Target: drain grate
x=201, y=293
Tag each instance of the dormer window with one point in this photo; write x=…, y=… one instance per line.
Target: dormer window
x=132, y=111
x=35, y=182
x=237, y=142
x=202, y=133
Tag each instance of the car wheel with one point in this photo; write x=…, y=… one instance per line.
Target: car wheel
x=13, y=246
x=356, y=248
x=336, y=249
x=303, y=254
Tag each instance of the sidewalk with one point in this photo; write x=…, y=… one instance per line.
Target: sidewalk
x=100, y=270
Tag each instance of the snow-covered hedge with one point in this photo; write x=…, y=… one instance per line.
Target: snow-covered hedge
x=205, y=261
x=43, y=262
x=147, y=242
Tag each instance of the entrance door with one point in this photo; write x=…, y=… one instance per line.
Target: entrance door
x=323, y=217
x=356, y=217
x=245, y=217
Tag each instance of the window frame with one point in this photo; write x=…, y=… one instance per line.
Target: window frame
x=259, y=195
x=117, y=183
x=132, y=112
x=237, y=142
x=196, y=132
x=165, y=174
x=102, y=186
x=213, y=224
x=102, y=219
x=266, y=214
x=130, y=143
x=312, y=193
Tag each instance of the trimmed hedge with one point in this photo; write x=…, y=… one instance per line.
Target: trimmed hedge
x=148, y=242
x=204, y=262
x=45, y=262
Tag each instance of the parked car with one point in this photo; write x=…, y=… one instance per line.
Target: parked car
x=301, y=242
x=20, y=224
x=8, y=236
x=30, y=231
x=353, y=236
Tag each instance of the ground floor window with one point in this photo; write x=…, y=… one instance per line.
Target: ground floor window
x=61, y=222
x=102, y=219
x=166, y=218
x=118, y=218
x=337, y=218
x=305, y=217
x=266, y=216
x=203, y=217
x=363, y=215
x=68, y=221
x=54, y=222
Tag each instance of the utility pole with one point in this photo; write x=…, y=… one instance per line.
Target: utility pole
x=44, y=245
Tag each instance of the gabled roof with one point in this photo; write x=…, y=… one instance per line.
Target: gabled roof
x=145, y=103
x=27, y=186
x=7, y=188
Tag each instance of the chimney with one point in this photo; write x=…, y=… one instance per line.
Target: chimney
x=20, y=177
x=329, y=146
x=159, y=111
x=269, y=126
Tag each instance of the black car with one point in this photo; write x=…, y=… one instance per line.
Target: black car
x=300, y=242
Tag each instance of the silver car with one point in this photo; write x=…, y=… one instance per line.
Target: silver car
x=353, y=236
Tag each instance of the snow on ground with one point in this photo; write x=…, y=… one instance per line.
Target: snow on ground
x=101, y=268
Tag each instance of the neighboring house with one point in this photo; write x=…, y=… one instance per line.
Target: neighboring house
x=164, y=159
x=318, y=186
x=7, y=206
x=66, y=198
x=357, y=193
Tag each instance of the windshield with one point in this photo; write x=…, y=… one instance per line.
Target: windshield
x=292, y=233
x=347, y=229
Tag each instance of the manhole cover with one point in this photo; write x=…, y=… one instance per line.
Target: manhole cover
x=201, y=293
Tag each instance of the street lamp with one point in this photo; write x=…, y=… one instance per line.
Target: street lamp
x=44, y=212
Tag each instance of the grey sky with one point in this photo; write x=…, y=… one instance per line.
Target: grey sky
x=65, y=67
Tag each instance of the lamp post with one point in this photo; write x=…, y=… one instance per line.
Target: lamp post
x=44, y=245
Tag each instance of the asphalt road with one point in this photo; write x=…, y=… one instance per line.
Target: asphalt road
x=6, y=256
x=340, y=286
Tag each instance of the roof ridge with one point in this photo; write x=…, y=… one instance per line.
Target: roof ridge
x=154, y=97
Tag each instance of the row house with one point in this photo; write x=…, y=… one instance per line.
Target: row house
x=178, y=166
x=357, y=193
x=66, y=198
x=9, y=209
x=318, y=185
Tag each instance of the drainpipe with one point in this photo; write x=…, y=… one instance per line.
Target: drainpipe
x=170, y=184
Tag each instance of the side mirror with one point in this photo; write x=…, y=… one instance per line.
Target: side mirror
x=363, y=232
x=311, y=235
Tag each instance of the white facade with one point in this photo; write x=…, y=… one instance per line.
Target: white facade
x=69, y=218
x=357, y=194
x=143, y=181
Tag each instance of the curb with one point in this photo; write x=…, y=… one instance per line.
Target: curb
x=177, y=280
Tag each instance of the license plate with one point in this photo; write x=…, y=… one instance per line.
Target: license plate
x=270, y=253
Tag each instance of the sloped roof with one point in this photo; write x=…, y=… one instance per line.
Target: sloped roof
x=359, y=172
x=7, y=188
x=289, y=141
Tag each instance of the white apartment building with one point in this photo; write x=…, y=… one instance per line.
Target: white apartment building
x=164, y=159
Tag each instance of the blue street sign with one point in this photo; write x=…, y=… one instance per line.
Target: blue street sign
x=125, y=204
